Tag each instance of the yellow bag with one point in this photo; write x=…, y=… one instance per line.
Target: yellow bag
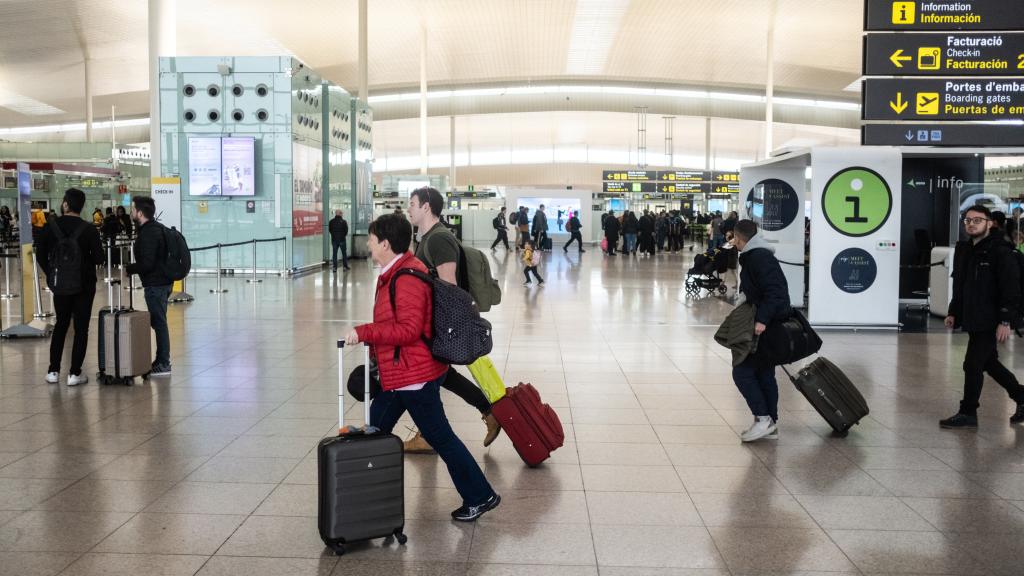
x=487, y=377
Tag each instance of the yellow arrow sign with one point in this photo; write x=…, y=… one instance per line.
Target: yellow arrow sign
x=900, y=104
x=898, y=58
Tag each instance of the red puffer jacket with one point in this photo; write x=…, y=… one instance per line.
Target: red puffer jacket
x=414, y=364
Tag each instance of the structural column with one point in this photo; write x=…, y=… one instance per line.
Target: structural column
x=423, y=99
x=769, y=91
x=707, y=143
x=162, y=42
x=363, y=52
x=88, y=101
x=451, y=153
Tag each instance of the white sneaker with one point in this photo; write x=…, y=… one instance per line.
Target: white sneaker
x=763, y=427
x=74, y=380
x=53, y=377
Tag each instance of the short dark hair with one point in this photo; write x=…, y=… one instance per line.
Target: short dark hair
x=980, y=209
x=429, y=195
x=999, y=217
x=395, y=229
x=75, y=199
x=145, y=205
x=745, y=229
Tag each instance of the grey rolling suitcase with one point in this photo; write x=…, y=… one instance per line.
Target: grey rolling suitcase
x=124, y=348
x=831, y=393
x=361, y=479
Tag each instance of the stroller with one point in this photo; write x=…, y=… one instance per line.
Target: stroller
x=707, y=270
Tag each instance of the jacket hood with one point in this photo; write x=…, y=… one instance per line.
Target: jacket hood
x=756, y=242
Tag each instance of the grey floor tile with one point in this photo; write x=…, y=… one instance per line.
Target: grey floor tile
x=148, y=533
x=211, y=498
x=351, y=567
x=969, y=515
x=631, y=479
x=754, y=479
x=843, y=481
x=229, y=566
x=655, y=546
x=642, y=509
x=34, y=563
x=863, y=513
x=107, y=495
x=149, y=467
x=534, y=506
x=931, y=484
x=1005, y=485
x=474, y=569
x=24, y=493
x=685, y=455
x=49, y=465
x=548, y=544
x=923, y=552
x=767, y=550
x=276, y=537
x=617, y=454
x=753, y=510
x=135, y=564
x=244, y=470
x=58, y=531
x=296, y=500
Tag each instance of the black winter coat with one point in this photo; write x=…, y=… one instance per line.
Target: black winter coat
x=611, y=227
x=151, y=255
x=630, y=225
x=338, y=229
x=986, y=284
x=764, y=285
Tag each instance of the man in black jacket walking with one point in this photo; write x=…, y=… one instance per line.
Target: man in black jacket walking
x=339, y=239
x=501, y=227
x=573, y=227
x=76, y=306
x=150, y=261
x=986, y=298
x=764, y=285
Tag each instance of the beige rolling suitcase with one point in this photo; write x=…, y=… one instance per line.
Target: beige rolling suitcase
x=125, y=348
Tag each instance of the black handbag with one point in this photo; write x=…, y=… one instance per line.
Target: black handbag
x=789, y=340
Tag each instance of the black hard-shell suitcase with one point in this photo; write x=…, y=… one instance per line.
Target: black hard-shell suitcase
x=361, y=480
x=831, y=393
x=545, y=244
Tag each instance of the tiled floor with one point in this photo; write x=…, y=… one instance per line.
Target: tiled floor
x=213, y=472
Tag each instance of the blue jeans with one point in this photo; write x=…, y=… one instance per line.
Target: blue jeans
x=759, y=388
x=427, y=412
x=630, y=243
x=344, y=255
x=156, y=301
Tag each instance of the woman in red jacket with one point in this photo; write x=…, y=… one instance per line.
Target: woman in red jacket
x=410, y=377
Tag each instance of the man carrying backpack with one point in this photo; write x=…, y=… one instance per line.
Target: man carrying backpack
x=573, y=227
x=150, y=264
x=985, y=304
x=500, y=228
x=440, y=251
x=68, y=250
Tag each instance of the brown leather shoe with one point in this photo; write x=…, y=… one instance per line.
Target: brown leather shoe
x=493, y=428
x=417, y=445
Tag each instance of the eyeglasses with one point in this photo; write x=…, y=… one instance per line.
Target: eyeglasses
x=975, y=220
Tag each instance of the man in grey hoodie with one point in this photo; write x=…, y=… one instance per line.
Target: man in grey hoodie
x=762, y=284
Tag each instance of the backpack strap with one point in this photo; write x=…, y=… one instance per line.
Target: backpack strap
x=392, y=288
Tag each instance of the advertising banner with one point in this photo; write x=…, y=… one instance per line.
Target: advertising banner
x=307, y=191
x=774, y=199
x=855, y=236
x=167, y=196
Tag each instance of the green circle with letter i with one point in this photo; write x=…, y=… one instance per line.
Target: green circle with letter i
x=856, y=201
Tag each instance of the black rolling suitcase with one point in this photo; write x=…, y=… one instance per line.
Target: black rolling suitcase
x=831, y=393
x=361, y=479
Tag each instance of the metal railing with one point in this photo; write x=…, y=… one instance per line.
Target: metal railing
x=220, y=269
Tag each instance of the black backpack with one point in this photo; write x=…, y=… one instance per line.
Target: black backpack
x=179, y=259
x=65, y=274
x=461, y=336
x=514, y=218
x=498, y=222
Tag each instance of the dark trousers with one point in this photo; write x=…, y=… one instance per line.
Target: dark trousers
x=78, y=308
x=613, y=239
x=534, y=270
x=524, y=235
x=427, y=413
x=538, y=239
x=983, y=357
x=577, y=238
x=335, y=245
x=156, y=302
x=502, y=238
x=466, y=389
x=758, y=386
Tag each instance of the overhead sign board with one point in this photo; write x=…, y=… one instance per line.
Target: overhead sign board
x=683, y=176
x=992, y=54
x=629, y=187
x=685, y=188
x=945, y=99
x=916, y=134
x=629, y=175
x=943, y=15
x=724, y=176
x=725, y=188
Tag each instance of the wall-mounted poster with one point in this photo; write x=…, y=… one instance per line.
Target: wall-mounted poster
x=307, y=193
x=204, y=167
x=238, y=161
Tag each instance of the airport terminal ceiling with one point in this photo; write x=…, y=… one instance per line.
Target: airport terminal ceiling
x=719, y=45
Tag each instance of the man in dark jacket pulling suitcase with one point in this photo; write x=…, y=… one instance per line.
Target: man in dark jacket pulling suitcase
x=410, y=377
x=764, y=285
x=150, y=260
x=77, y=305
x=339, y=239
x=985, y=303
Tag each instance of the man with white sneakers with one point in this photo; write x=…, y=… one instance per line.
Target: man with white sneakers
x=764, y=285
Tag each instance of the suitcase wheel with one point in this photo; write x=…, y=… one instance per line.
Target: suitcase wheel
x=146, y=375
x=841, y=433
x=401, y=537
x=338, y=548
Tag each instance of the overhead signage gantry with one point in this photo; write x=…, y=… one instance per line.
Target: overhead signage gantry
x=976, y=67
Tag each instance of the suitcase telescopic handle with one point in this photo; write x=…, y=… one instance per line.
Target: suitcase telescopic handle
x=341, y=384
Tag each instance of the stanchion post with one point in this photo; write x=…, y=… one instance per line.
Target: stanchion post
x=38, y=293
x=254, y=280
x=7, y=295
x=218, y=289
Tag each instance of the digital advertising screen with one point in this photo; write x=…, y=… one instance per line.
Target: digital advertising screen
x=558, y=211
x=238, y=166
x=617, y=204
x=204, y=167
